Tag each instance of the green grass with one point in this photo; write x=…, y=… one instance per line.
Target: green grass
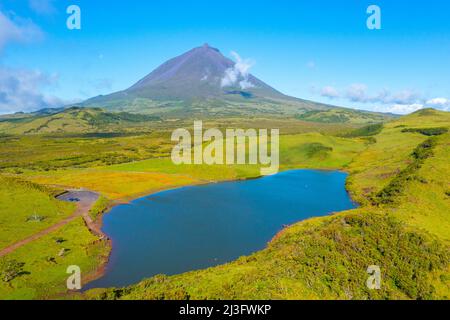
x=43, y=153
x=428, y=131
x=75, y=120
x=129, y=180
x=315, y=259
x=44, y=269
x=367, y=131
x=100, y=207
x=314, y=150
x=20, y=202
x=320, y=259
x=340, y=115
x=390, y=193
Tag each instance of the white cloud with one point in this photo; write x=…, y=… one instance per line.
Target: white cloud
x=357, y=92
x=16, y=29
x=238, y=74
x=329, y=92
x=404, y=97
x=45, y=7
x=401, y=108
x=245, y=84
x=406, y=108
x=440, y=103
x=401, y=102
x=21, y=90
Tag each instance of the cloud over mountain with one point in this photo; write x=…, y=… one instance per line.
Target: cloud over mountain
x=238, y=74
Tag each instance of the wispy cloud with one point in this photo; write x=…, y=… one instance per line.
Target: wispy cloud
x=357, y=92
x=400, y=102
x=45, y=7
x=329, y=92
x=441, y=103
x=21, y=90
x=16, y=29
x=238, y=74
x=400, y=108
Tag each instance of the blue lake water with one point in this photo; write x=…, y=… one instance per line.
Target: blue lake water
x=197, y=227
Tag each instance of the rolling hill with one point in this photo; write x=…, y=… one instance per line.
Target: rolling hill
x=72, y=120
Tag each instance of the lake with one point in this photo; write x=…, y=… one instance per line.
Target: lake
x=197, y=227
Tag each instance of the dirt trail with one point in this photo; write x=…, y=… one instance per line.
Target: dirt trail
x=86, y=201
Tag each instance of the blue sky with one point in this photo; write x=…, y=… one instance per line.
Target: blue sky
x=318, y=50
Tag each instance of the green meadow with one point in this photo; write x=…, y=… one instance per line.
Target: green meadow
x=407, y=233
x=326, y=258
x=45, y=262
x=27, y=208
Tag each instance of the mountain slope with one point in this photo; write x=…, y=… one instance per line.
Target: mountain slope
x=200, y=80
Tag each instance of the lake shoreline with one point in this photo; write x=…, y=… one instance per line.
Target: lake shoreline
x=102, y=268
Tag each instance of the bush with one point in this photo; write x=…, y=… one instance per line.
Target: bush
x=11, y=269
x=397, y=185
x=427, y=131
x=99, y=207
x=367, y=131
x=317, y=149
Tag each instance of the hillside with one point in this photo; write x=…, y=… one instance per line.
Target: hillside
x=402, y=226
x=341, y=115
x=71, y=120
x=78, y=120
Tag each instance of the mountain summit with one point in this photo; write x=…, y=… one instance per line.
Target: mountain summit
x=200, y=78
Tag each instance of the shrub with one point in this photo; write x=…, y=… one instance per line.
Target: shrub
x=397, y=185
x=427, y=131
x=367, y=131
x=11, y=269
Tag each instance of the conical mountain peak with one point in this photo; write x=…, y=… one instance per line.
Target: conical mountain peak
x=200, y=74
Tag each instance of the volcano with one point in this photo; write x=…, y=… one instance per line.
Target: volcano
x=202, y=79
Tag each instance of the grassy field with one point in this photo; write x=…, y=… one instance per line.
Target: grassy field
x=129, y=180
x=342, y=116
x=27, y=208
x=319, y=258
x=328, y=257
x=46, y=260
x=45, y=153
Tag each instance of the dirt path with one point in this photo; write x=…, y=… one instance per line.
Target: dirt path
x=86, y=201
